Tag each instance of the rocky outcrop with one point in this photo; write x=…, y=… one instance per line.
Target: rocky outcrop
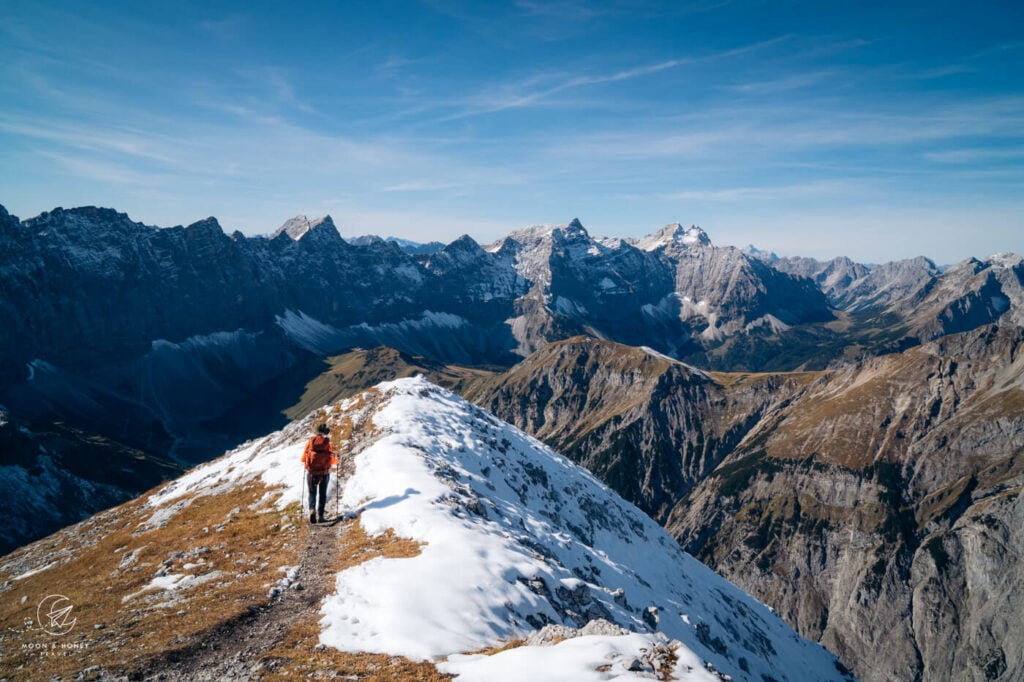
x=853, y=286
x=649, y=426
x=879, y=511
x=724, y=291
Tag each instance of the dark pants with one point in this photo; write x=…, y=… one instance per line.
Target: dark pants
x=317, y=482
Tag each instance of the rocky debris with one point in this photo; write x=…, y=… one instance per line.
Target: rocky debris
x=655, y=662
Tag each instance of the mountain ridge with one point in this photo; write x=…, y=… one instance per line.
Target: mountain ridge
x=438, y=486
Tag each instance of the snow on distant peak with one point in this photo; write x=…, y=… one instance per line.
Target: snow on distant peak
x=1005, y=260
x=300, y=225
x=674, y=233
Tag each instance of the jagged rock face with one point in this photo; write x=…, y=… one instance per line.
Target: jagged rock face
x=89, y=285
x=474, y=277
x=834, y=277
x=657, y=291
x=855, y=287
x=649, y=426
x=879, y=512
x=581, y=285
x=85, y=287
x=921, y=301
x=732, y=291
x=968, y=295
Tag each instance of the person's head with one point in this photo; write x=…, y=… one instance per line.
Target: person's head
x=323, y=429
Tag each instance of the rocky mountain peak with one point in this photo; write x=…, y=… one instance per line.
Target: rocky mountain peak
x=463, y=243
x=573, y=232
x=206, y=226
x=462, y=253
x=675, y=234
x=1005, y=260
x=753, y=251
x=300, y=225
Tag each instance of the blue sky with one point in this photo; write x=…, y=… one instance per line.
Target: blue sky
x=878, y=130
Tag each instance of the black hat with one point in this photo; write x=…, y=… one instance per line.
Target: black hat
x=324, y=429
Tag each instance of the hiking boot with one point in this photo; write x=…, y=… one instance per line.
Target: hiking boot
x=312, y=517
x=321, y=517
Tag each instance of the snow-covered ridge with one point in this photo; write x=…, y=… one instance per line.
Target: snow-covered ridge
x=674, y=234
x=514, y=537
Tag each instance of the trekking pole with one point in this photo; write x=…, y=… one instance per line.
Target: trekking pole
x=302, y=494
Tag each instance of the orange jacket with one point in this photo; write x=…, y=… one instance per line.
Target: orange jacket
x=318, y=457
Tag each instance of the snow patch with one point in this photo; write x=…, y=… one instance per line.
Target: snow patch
x=773, y=323
x=513, y=536
x=579, y=659
x=172, y=582
x=22, y=576
x=1005, y=260
x=651, y=351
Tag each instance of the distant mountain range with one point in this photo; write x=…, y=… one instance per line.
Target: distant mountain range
x=841, y=440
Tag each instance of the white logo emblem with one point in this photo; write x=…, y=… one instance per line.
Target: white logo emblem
x=54, y=614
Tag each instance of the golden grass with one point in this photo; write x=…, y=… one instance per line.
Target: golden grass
x=505, y=646
x=297, y=656
x=737, y=380
x=246, y=547
x=351, y=373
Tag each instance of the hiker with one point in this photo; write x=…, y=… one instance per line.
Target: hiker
x=318, y=458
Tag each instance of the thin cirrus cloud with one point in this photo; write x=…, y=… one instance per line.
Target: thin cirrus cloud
x=146, y=145
x=771, y=192
x=530, y=112
x=977, y=155
x=539, y=89
x=104, y=171
x=784, y=84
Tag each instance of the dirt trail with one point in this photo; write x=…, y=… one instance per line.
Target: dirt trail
x=233, y=650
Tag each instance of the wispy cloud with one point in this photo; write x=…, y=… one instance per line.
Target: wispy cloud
x=94, y=170
x=136, y=143
x=394, y=63
x=943, y=71
x=735, y=130
x=569, y=10
x=539, y=89
x=772, y=86
x=976, y=155
x=421, y=186
x=770, y=192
